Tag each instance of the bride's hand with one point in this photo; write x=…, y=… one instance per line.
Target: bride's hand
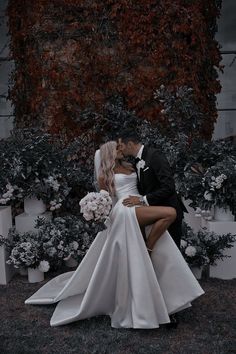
x=131, y=201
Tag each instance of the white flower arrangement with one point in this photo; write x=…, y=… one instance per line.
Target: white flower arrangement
x=34, y=165
x=211, y=186
x=25, y=250
x=217, y=182
x=96, y=206
x=203, y=247
x=10, y=193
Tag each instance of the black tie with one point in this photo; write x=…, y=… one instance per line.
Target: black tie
x=137, y=159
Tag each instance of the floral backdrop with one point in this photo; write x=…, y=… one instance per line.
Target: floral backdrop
x=75, y=56
x=84, y=70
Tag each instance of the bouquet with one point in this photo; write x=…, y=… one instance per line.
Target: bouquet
x=96, y=206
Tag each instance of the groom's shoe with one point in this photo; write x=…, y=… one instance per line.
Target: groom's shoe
x=174, y=321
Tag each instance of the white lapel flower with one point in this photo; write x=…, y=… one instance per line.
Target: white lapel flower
x=141, y=164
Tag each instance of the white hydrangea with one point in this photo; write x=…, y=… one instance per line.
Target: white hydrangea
x=7, y=196
x=53, y=182
x=190, y=251
x=218, y=181
x=44, y=266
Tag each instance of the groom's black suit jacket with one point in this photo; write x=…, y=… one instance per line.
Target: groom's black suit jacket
x=157, y=184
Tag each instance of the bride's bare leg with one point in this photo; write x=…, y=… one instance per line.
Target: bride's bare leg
x=160, y=216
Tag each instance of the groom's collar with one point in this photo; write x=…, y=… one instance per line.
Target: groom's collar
x=139, y=154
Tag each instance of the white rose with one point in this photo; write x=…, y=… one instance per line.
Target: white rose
x=190, y=251
x=183, y=243
x=44, y=266
x=208, y=195
x=75, y=245
x=141, y=164
x=93, y=206
x=88, y=216
x=102, y=191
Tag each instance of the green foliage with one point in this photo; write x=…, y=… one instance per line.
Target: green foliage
x=209, y=175
x=204, y=247
x=182, y=113
x=38, y=164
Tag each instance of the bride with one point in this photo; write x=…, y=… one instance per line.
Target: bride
x=118, y=276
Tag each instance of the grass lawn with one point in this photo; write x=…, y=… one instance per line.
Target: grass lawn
x=209, y=327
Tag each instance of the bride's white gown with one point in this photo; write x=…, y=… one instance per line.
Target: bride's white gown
x=118, y=278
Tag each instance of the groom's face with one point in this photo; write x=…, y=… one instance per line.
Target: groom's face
x=126, y=148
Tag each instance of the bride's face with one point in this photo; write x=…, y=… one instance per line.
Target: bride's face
x=126, y=149
x=119, y=153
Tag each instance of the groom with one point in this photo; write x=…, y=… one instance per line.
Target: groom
x=155, y=184
x=155, y=180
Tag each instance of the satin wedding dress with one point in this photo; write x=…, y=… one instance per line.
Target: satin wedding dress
x=118, y=278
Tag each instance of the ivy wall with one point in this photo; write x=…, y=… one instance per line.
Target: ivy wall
x=73, y=56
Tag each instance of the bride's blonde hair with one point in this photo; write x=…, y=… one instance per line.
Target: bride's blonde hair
x=108, y=155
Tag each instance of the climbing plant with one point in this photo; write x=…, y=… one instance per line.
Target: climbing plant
x=73, y=56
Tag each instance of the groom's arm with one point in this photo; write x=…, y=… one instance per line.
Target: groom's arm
x=165, y=180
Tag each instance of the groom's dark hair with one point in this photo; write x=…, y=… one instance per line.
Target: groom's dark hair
x=129, y=135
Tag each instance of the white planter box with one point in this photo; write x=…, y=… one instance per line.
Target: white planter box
x=193, y=221
x=35, y=275
x=34, y=206
x=25, y=222
x=222, y=214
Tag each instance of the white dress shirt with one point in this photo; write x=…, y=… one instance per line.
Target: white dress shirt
x=139, y=155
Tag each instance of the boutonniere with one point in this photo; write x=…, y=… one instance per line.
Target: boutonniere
x=141, y=164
